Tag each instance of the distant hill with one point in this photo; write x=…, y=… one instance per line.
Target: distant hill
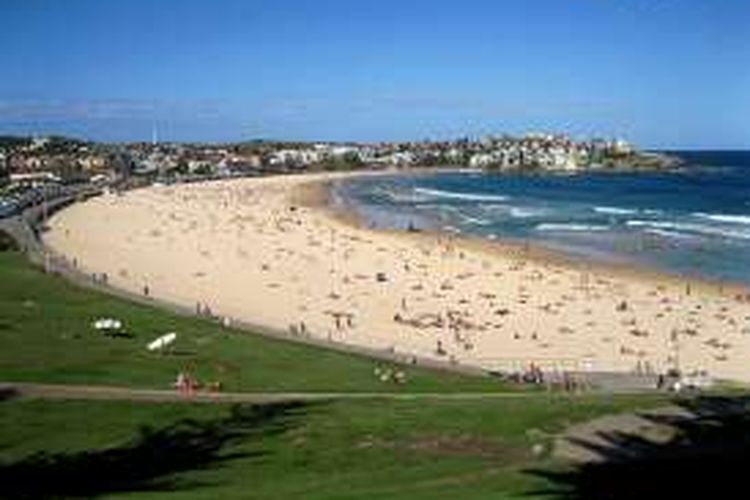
x=12, y=141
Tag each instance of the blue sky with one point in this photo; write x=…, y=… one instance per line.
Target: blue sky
x=662, y=73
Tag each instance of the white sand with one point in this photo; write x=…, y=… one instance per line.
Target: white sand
x=250, y=251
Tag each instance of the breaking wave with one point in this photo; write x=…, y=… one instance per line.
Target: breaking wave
x=615, y=210
x=475, y=220
x=523, y=213
x=702, y=229
x=579, y=228
x=438, y=193
x=670, y=234
x=401, y=197
x=726, y=218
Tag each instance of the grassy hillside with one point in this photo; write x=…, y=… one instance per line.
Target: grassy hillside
x=46, y=334
x=364, y=448
x=345, y=449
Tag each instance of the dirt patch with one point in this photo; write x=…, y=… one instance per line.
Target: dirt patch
x=449, y=445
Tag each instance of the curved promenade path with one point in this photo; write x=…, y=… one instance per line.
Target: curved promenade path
x=100, y=392
x=581, y=443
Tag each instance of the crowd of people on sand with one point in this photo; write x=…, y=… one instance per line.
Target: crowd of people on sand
x=422, y=293
x=672, y=380
x=203, y=310
x=100, y=278
x=298, y=329
x=675, y=381
x=533, y=374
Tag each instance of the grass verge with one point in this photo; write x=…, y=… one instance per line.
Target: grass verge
x=341, y=449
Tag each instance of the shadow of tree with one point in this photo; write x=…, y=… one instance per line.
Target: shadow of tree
x=707, y=456
x=151, y=461
x=7, y=242
x=7, y=393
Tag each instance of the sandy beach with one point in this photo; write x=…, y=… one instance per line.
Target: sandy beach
x=268, y=251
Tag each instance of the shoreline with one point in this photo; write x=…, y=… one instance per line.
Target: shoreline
x=270, y=251
x=321, y=199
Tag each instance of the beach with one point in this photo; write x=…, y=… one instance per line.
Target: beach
x=270, y=251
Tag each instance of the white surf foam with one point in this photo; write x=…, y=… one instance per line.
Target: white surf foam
x=438, y=193
x=727, y=218
x=494, y=207
x=513, y=211
x=475, y=220
x=651, y=223
x=669, y=234
x=614, y=210
x=524, y=213
x=401, y=197
x=580, y=228
x=691, y=227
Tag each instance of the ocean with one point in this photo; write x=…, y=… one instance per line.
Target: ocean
x=694, y=220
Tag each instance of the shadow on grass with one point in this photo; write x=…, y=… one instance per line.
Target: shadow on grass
x=7, y=242
x=707, y=457
x=151, y=461
x=8, y=393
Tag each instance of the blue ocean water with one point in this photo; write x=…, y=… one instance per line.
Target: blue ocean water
x=694, y=220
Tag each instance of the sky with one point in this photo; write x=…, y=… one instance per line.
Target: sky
x=660, y=73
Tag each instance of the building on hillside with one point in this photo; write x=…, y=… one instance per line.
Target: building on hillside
x=34, y=178
x=401, y=159
x=621, y=147
x=296, y=157
x=94, y=164
x=38, y=143
x=200, y=167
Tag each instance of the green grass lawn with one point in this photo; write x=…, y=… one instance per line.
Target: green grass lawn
x=368, y=448
x=344, y=449
x=46, y=335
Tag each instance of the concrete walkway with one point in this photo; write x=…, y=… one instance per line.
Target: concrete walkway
x=96, y=392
